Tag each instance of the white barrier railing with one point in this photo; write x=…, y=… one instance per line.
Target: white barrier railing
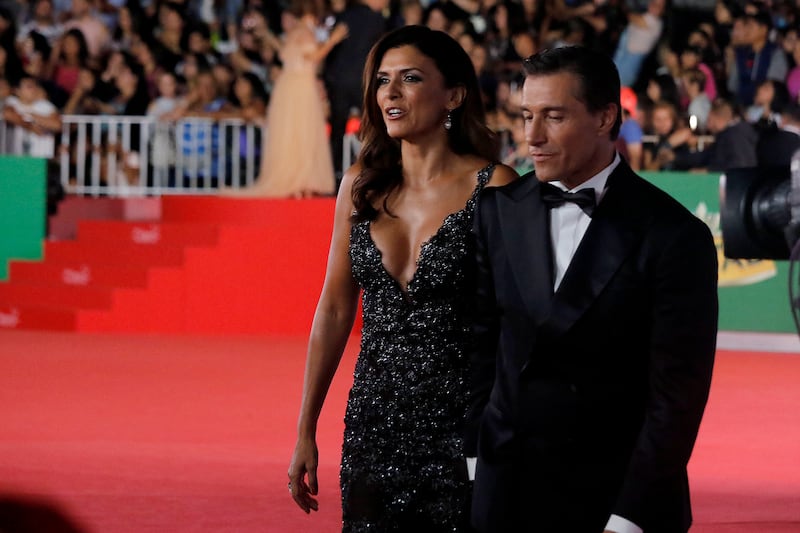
x=128, y=156
x=137, y=156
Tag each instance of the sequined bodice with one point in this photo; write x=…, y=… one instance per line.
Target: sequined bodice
x=409, y=397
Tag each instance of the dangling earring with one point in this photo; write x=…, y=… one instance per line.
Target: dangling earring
x=448, y=122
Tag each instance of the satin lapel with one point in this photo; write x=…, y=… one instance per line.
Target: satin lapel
x=524, y=223
x=615, y=229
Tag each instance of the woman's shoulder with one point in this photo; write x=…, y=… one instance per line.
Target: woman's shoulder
x=502, y=174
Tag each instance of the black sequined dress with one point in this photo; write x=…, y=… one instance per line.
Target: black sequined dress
x=403, y=467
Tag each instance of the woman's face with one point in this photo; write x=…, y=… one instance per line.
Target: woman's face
x=411, y=94
x=662, y=121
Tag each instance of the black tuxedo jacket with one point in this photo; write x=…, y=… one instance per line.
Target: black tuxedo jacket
x=587, y=402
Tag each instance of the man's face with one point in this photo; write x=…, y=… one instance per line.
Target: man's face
x=566, y=141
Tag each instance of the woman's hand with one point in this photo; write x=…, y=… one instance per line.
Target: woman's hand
x=304, y=462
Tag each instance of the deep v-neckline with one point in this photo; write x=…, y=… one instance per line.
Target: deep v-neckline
x=426, y=243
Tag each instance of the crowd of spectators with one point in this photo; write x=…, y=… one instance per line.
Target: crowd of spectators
x=728, y=69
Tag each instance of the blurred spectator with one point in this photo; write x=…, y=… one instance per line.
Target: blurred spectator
x=8, y=28
x=662, y=87
x=703, y=40
x=144, y=54
x=36, y=118
x=638, y=39
x=69, y=56
x=198, y=41
x=202, y=100
x=777, y=144
x=671, y=137
x=343, y=67
x=534, y=14
x=411, y=12
x=629, y=140
x=162, y=143
x=756, y=60
x=83, y=100
x=691, y=58
x=133, y=97
x=436, y=18
x=734, y=143
x=167, y=98
x=42, y=20
x=793, y=78
x=516, y=153
x=225, y=76
x=789, y=38
x=249, y=98
x=685, y=15
x=34, y=52
x=95, y=32
x=770, y=100
x=10, y=64
x=694, y=80
x=589, y=14
x=253, y=54
x=131, y=29
x=168, y=34
x=724, y=17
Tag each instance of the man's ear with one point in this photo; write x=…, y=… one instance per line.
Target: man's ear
x=607, y=118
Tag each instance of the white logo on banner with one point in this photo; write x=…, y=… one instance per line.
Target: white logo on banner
x=151, y=235
x=10, y=319
x=80, y=276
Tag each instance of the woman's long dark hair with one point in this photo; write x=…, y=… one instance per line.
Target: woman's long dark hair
x=381, y=170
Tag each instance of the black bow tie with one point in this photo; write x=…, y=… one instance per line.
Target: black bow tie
x=552, y=196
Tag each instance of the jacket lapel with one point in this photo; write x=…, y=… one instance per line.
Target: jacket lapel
x=525, y=226
x=615, y=229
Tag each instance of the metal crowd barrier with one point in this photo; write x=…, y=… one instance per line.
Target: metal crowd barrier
x=128, y=156
x=142, y=156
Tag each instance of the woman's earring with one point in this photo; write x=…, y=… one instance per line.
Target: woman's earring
x=448, y=122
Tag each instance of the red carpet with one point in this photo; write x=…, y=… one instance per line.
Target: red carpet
x=193, y=434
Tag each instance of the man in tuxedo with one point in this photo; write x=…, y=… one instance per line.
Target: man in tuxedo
x=595, y=328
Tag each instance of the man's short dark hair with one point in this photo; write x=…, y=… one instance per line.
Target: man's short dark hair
x=598, y=76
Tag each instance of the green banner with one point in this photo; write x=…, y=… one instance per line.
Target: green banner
x=753, y=294
x=23, y=209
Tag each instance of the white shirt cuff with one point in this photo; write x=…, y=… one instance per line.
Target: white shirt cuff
x=617, y=524
x=471, y=463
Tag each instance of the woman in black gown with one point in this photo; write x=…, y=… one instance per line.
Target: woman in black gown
x=402, y=235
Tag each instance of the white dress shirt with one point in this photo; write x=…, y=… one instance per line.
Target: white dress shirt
x=568, y=222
